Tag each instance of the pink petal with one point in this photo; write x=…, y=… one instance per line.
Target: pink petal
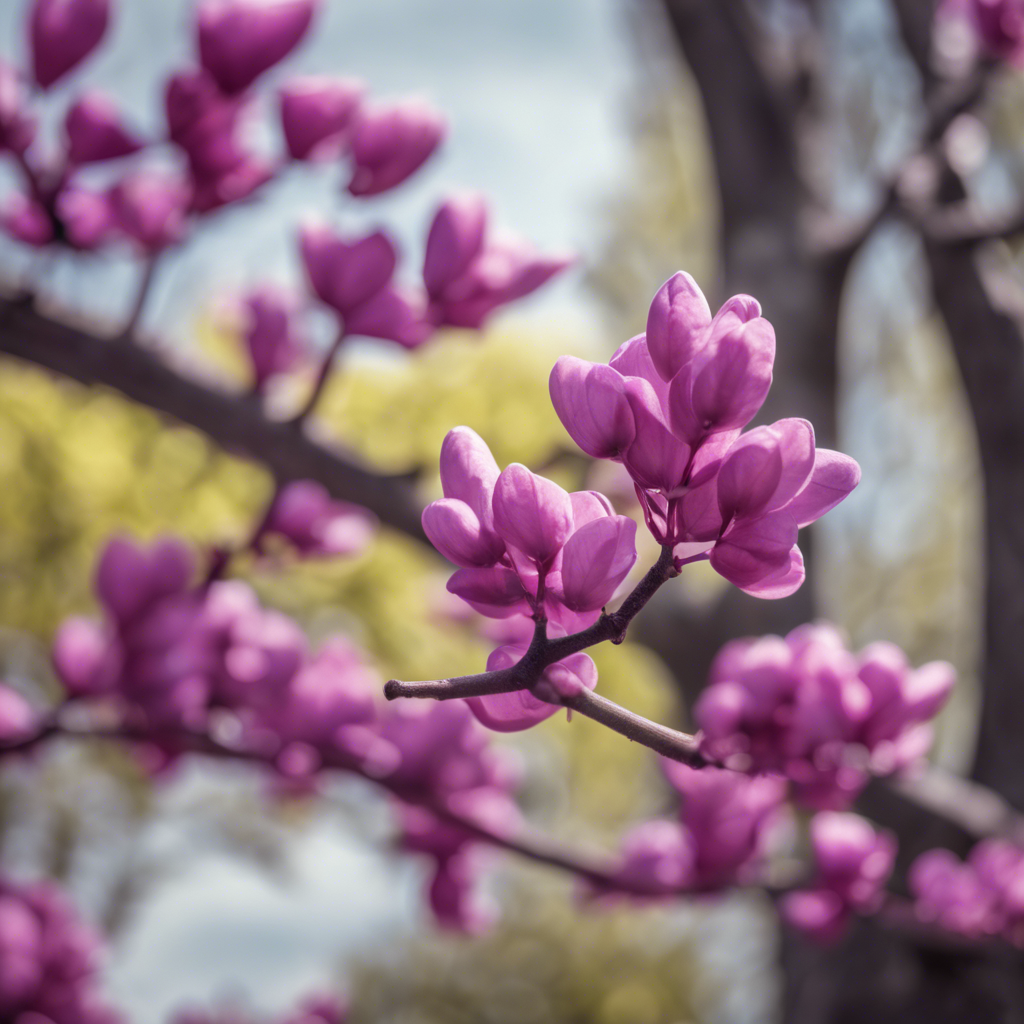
x=591, y=401
x=675, y=324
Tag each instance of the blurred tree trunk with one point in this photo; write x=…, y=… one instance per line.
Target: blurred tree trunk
x=874, y=976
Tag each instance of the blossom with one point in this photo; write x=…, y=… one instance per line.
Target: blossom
x=94, y=131
x=318, y=114
x=240, y=39
x=63, y=33
x=17, y=719
x=272, y=340
x=306, y=515
x=468, y=275
x=807, y=707
x=149, y=207
x=27, y=220
x=980, y=896
x=49, y=958
x=853, y=863
x=671, y=405
x=392, y=141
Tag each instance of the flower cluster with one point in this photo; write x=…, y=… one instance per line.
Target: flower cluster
x=314, y=523
x=854, y=861
x=805, y=706
x=176, y=662
x=726, y=825
x=206, y=106
x=48, y=959
x=671, y=405
x=527, y=548
x=977, y=897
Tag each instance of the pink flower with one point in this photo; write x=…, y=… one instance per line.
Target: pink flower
x=272, y=340
x=805, y=706
x=391, y=142
x=999, y=25
x=63, y=34
x=657, y=857
x=468, y=276
x=95, y=132
x=149, y=208
x=318, y=113
x=240, y=39
x=513, y=712
x=316, y=524
x=27, y=220
x=131, y=578
x=670, y=407
x=87, y=216
x=17, y=719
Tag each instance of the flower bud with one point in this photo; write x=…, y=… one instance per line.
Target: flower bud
x=676, y=322
x=95, y=132
x=317, y=114
x=531, y=513
x=591, y=401
x=63, y=33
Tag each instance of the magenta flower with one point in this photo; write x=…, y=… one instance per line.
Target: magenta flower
x=149, y=208
x=729, y=818
x=27, y=220
x=854, y=861
x=49, y=959
x=272, y=340
x=657, y=857
x=240, y=39
x=999, y=25
x=511, y=530
x=17, y=125
x=85, y=657
x=808, y=708
x=318, y=114
x=17, y=719
x=513, y=712
x=306, y=515
x=468, y=276
x=670, y=407
x=63, y=33
x=391, y=142
x=94, y=131
x=87, y=216
x=130, y=579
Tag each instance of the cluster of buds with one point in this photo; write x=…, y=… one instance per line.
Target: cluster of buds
x=465, y=275
x=175, y=663
x=809, y=709
x=982, y=896
x=49, y=959
x=526, y=547
x=671, y=405
x=724, y=831
x=853, y=862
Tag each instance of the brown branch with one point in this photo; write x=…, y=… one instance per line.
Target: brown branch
x=235, y=422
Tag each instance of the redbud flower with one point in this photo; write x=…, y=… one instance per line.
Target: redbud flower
x=670, y=407
x=657, y=857
x=17, y=719
x=95, y=132
x=853, y=863
x=87, y=216
x=346, y=273
x=85, y=657
x=26, y=220
x=149, y=208
x=240, y=39
x=1000, y=26
x=130, y=578
x=512, y=712
x=17, y=126
x=318, y=113
x=467, y=276
x=63, y=33
x=316, y=524
x=271, y=338
x=391, y=142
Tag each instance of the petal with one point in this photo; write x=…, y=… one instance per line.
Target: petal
x=588, y=506
x=755, y=548
x=675, y=323
x=782, y=582
x=595, y=560
x=456, y=532
x=456, y=237
x=834, y=476
x=590, y=400
x=496, y=593
x=531, y=513
x=656, y=459
x=469, y=472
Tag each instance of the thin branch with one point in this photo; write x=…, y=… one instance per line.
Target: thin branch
x=321, y=378
x=145, y=285
x=237, y=423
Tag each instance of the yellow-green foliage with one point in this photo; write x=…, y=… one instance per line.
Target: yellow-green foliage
x=546, y=964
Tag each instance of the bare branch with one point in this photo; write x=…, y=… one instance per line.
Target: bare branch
x=235, y=422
